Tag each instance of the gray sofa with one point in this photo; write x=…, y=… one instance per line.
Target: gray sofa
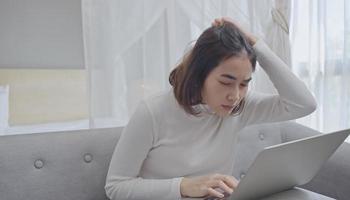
x=72, y=165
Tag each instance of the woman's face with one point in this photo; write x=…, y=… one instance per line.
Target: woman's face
x=227, y=84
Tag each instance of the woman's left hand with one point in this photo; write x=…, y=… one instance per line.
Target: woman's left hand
x=249, y=36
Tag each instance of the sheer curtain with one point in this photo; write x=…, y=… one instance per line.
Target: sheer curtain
x=4, y=107
x=320, y=34
x=131, y=46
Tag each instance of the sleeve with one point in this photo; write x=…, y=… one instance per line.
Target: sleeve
x=293, y=100
x=122, y=180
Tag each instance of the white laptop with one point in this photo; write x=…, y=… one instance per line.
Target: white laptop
x=282, y=167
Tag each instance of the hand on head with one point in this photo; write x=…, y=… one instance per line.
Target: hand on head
x=249, y=36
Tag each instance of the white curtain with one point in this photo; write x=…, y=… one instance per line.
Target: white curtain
x=4, y=107
x=132, y=45
x=320, y=35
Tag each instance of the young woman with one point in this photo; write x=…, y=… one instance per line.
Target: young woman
x=181, y=143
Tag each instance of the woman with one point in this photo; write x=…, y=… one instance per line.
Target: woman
x=181, y=143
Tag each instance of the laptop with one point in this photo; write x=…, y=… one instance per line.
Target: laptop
x=283, y=166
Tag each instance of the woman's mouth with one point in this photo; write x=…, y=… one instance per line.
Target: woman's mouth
x=226, y=107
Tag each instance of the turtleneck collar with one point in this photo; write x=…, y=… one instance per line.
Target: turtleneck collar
x=203, y=108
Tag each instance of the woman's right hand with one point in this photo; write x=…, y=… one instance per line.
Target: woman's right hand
x=202, y=186
x=249, y=36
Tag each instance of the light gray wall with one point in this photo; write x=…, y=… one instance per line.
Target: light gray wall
x=41, y=34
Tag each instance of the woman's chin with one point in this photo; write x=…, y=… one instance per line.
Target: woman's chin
x=223, y=113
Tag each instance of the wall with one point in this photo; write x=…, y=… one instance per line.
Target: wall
x=44, y=96
x=41, y=34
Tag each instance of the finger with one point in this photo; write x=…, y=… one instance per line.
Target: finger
x=218, y=21
x=225, y=188
x=215, y=193
x=221, y=186
x=214, y=23
x=221, y=22
x=232, y=21
x=228, y=19
x=229, y=180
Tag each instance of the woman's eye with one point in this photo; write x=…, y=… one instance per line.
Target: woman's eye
x=244, y=85
x=223, y=83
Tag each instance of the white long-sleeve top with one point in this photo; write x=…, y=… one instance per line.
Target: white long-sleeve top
x=162, y=143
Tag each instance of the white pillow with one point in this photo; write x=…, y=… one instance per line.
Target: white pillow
x=4, y=107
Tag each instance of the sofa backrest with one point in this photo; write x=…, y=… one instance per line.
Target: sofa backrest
x=50, y=166
x=73, y=164
x=251, y=140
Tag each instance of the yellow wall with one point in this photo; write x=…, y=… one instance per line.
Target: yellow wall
x=44, y=96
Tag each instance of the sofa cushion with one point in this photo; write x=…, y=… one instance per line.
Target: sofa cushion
x=49, y=165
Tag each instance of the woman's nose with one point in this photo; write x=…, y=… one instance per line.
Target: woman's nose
x=233, y=96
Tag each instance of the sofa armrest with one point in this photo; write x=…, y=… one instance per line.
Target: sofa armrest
x=333, y=179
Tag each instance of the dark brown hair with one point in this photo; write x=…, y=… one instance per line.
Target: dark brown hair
x=213, y=46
